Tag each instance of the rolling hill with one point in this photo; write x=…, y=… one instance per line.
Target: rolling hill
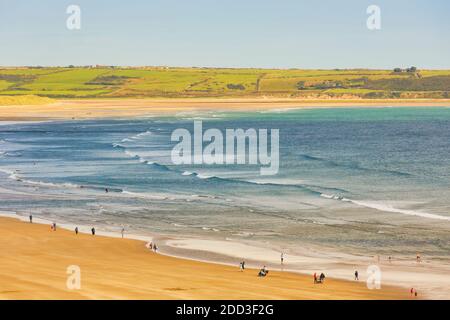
x=171, y=82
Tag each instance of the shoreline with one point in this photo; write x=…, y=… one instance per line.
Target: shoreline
x=125, y=269
x=222, y=258
x=223, y=252
x=73, y=109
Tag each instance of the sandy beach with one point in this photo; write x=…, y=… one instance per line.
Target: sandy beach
x=123, y=108
x=180, y=153
x=35, y=259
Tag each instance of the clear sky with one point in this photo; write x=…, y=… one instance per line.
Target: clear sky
x=227, y=33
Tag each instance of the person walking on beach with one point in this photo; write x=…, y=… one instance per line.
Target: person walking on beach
x=76, y=230
x=53, y=226
x=93, y=231
x=418, y=257
x=356, y=275
x=31, y=218
x=322, y=277
x=282, y=258
x=123, y=231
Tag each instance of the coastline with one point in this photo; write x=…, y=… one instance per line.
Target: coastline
x=430, y=279
x=35, y=260
x=123, y=108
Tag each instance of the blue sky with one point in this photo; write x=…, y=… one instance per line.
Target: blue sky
x=227, y=33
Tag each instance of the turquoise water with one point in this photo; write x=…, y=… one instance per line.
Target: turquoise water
x=361, y=179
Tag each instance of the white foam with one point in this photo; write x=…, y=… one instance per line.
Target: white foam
x=387, y=208
x=202, y=176
x=144, y=195
x=142, y=134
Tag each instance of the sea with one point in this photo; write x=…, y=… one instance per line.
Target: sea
x=361, y=180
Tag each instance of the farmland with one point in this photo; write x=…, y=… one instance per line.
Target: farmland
x=167, y=82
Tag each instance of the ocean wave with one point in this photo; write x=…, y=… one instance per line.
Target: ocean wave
x=14, y=175
x=137, y=136
x=310, y=189
x=142, y=134
x=149, y=196
x=203, y=176
x=50, y=184
x=215, y=178
x=387, y=208
x=12, y=154
x=354, y=166
x=334, y=197
x=136, y=156
x=144, y=195
x=118, y=145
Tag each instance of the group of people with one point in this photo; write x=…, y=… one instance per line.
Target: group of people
x=92, y=231
x=262, y=272
x=53, y=227
x=152, y=246
x=389, y=258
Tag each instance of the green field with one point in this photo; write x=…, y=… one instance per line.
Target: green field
x=118, y=82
